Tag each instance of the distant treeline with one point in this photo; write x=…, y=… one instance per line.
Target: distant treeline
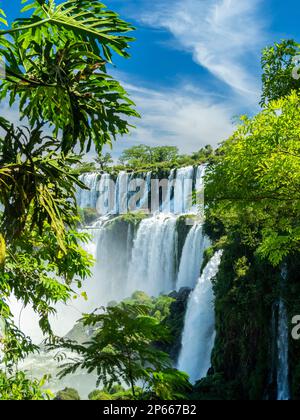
x=143, y=157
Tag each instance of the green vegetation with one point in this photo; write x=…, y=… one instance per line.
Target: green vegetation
x=57, y=76
x=160, y=160
x=104, y=161
x=252, y=194
x=279, y=65
x=123, y=350
x=68, y=394
x=57, y=62
x=146, y=155
x=18, y=387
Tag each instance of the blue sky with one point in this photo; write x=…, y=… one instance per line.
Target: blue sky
x=195, y=64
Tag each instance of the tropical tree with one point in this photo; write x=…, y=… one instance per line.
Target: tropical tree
x=20, y=388
x=57, y=77
x=253, y=189
x=56, y=70
x=146, y=155
x=280, y=63
x=123, y=350
x=104, y=160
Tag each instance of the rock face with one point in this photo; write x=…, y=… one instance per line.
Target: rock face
x=176, y=320
x=67, y=394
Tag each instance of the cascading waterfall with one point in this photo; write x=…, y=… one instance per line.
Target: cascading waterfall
x=152, y=267
x=144, y=201
x=199, y=330
x=167, y=206
x=283, y=387
x=192, y=257
x=183, y=190
x=143, y=257
x=121, y=268
x=88, y=198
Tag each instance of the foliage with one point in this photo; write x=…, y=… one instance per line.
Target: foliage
x=254, y=187
x=279, y=63
x=56, y=71
x=142, y=154
x=67, y=394
x=104, y=160
x=84, y=167
x=37, y=183
x=19, y=387
x=122, y=351
x=57, y=76
x=38, y=274
x=253, y=214
x=100, y=396
x=159, y=160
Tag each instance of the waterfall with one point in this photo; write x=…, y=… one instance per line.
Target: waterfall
x=143, y=257
x=88, y=198
x=111, y=197
x=183, y=190
x=167, y=206
x=199, y=329
x=283, y=388
x=152, y=266
x=144, y=201
x=192, y=257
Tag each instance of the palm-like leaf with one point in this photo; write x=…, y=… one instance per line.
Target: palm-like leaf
x=60, y=76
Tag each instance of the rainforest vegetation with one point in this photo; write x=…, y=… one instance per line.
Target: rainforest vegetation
x=58, y=77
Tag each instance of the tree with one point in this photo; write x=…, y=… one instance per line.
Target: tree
x=147, y=155
x=203, y=153
x=136, y=155
x=56, y=75
x=279, y=63
x=165, y=154
x=56, y=67
x=20, y=388
x=122, y=350
x=254, y=188
x=104, y=160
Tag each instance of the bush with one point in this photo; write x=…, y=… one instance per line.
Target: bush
x=67, y=394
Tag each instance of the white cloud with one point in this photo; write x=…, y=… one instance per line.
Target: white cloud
x=183, y=117
x=224, y=36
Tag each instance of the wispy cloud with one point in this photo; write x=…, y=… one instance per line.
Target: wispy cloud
x=185, y=117
x=224, y=36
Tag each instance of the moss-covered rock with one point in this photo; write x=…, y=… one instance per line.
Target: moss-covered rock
x=67, y=394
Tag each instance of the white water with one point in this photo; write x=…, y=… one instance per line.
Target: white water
x=152, y=266
x=183, y=191
x=283, y=388
x=88, y=198
x=192, y=257
x=199, y=330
